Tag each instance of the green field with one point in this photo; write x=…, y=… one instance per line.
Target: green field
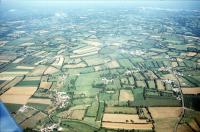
x=29, y=83
x=92, y=110
x=139, y=100
x=100, y=111
x=125, y=63
x=78, y=126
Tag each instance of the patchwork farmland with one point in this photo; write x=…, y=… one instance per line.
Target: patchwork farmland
x=101, y=70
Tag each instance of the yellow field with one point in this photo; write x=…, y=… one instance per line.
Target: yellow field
x=79, y=65
x=18, y=60
x=191, y=54
x=39, y=53
x=45, y=85
x=9, y=84
x=40, y=101
x=165, y=112
x=18, y=95
x=179, y=59
x=14, y=99
x=141, y=84
x=59, y=61
x=92, y=42
x=169, y=76
x=10, y=77
x=51, y=70
x=25, y=67
x=78, y=114
x=68, y=113
x=113, y=64
x=14, y=73
x=39, y=70
x=85, y=50
x=21, y=90
x=27, y=44
x=4, y=84
x=123, y=118
x=126, y=95
x=194, y=125
x=165, y=117
x=96, y=61
x=6, y=58
x=97, y=68
x=83, y=55
x=191, y=90
x=184, y=128
x=165, y=124
x=160, y=85
x=174, y=64
x=127, y=126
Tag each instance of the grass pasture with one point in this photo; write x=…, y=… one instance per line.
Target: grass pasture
x=124, y=110
x=125, y=63
x=100, y=111
x=96, y=60
x=40, y=101
x=92, y=110
x=32, y=121
x=33, y=83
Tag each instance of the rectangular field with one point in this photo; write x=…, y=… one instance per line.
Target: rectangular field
x=125, y=63
x=123, y=118
x=165, y=112
x=86, y=49
x=39, y=70
x=160, y=85
x=32, y=78
x=124, y=110
x=18, y=95
x=78, y=114
x=96, y=60
x=126, y=95
x=79, y=65
x=46, y=85
x=25, y=67
x=165, y=117
x=39, y=101
x=14, y=73
x=32, y=121
x=191, y=90
x=59, y=61
x=113, y=64
x=127, y=126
